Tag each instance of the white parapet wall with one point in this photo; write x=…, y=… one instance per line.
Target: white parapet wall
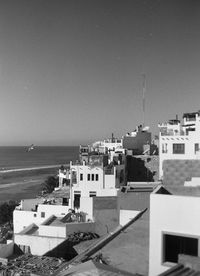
x=39, y=245
x=22, y=219
x=194, y=182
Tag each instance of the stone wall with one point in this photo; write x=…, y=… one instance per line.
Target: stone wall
x=176, y=172
x=142, y=168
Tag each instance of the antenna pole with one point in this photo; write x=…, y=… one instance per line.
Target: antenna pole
x=143, y=97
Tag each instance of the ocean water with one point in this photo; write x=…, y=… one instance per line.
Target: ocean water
x=19, y=157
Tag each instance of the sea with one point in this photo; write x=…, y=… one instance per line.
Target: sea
x=20, y=157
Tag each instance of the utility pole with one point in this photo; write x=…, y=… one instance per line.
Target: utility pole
x=143, y=97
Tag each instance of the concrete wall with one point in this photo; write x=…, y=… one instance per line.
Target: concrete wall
x=57, y=210
x=136, y=143
x=110, y=181
x=86, y=206
x=176, y=172
x=6, y=250
x=80, y=227
x=106, y=214
x=177, y=215
x=62, y=231
x=52, y=231
x=135, y=201
x=29, y=204
x=38, y=245
x=22, y=219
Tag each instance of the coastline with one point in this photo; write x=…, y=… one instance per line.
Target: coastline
x=29, y=169
x=23, y=183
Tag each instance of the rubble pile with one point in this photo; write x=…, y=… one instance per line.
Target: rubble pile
x=81, y=236
x=28, y=264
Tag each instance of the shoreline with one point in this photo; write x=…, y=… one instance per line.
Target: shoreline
x=29, y=168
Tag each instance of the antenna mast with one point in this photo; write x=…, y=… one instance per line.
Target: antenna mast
x=143, y=97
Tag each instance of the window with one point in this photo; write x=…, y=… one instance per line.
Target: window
x=92, y=194
x=65, y=201
x=97, y=177
x=92, y=177
x=35, y=215
x=196, y=148
x=88, y=177
x=174, y=245
x=77, y=196
x=178, y=148
x=164, y=148
x=42, y=214
x=81, y=177
x=74, y=177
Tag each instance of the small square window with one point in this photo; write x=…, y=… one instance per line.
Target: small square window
x=35, y=215
x=178, y=148
x=42, y=214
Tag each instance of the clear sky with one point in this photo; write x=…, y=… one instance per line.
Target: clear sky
x=71, y=70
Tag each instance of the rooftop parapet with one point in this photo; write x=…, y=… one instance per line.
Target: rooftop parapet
x=191, y=116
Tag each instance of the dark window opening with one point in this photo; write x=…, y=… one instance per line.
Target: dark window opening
x=196, y=148
x=92, y=177
x=178, y=148
x=88, y=177
x=97, y=177
x=42, y=214
x=77, y=200
x=174, y=245
x=74, y=178
x=92, y=194
x=81, y=177
x=65, y=201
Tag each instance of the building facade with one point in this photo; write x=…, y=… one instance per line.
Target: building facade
x=179, y=142
x=174, y=229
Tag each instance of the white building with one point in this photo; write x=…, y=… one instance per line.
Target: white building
x=36, y=211
x=179, y=142
x=110, y=144
x=174, y=229
x=40, y=231
x=95, y=180
x=97, y=177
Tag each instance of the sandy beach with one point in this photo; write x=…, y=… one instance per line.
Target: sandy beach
x=21, y=183
x=29, y=169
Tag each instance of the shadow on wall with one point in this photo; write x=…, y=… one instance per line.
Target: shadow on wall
x=64, y=250
x=136, y=171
